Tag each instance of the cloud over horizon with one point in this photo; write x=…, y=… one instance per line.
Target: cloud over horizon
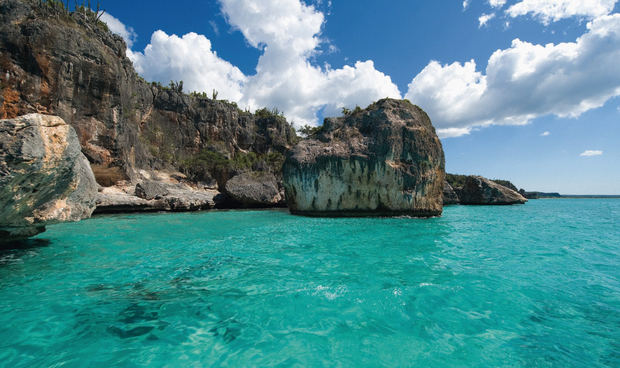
x=524, y=82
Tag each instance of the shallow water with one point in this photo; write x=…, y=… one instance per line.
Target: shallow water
x=516, y=286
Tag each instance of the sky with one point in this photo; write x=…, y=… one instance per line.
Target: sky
x=524, y=90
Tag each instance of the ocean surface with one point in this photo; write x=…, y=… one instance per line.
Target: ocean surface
x=536, y=285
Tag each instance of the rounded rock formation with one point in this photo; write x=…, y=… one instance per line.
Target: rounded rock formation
x=254, y=189
x=385, y=160
x=44, y=177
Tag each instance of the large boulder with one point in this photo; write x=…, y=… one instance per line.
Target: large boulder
x=479, y=190
x=44, y=177
x=382, y=161
x=254, y=190
x=449, y=195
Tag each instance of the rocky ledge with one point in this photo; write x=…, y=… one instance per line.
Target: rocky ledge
x=44, y=177
x=382, y=161
x=175, y=198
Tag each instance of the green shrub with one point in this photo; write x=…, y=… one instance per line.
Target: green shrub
x=310, y=131
x=456, y=181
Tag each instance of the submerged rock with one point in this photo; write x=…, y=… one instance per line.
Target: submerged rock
x=479, y=190
x=384, y=160
x=449, y=195
x=44, y=177
x=254, y=190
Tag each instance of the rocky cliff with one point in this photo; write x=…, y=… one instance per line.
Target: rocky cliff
x=69, y=64
x=44, y=177
x=449, y=195
x=476, y=190
x=384, y=160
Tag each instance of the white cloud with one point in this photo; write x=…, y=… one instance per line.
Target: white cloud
x=484, y=19
x=453, y=132
x=590, y=153
x=190, y=59
x=545, y=134
x=524, y=81
x=116, y=26
x=465, y=4
x=497, y=3
x=553, y=10
x=288, y=32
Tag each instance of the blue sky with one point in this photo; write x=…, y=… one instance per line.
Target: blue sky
x=542, y=112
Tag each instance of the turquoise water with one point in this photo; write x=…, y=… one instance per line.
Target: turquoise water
x=522, y=286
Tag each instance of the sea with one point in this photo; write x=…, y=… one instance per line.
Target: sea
x=534, y=285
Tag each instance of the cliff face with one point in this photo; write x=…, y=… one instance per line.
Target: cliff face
x=476, y=190
x=384, y=160
x=70, y=65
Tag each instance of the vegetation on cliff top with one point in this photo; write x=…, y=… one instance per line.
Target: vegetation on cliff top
x=458, y=181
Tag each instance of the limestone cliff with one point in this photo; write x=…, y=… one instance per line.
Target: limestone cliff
x=44, y=177
x=449, y=195
x=482, y=191
x=384, y=160
x=477, y=190
x=70, y=65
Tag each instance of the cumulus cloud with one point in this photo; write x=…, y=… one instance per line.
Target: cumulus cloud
x=524, y=81
x=189, y=59
x=519, y=84
x=484, y=19
x=545, y=134
x=116, y=26
x=497, y=3
x=465, y=4
x=549, y=11
x=288, y=32
x=590, y=153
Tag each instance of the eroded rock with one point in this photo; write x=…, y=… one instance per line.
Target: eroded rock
x=384, y=160
x=449, y=195
x=44, y=177
x=156, y=196
x=482, y=191
x=254, y=190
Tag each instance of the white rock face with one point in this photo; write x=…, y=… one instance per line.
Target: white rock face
x=44, y=177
